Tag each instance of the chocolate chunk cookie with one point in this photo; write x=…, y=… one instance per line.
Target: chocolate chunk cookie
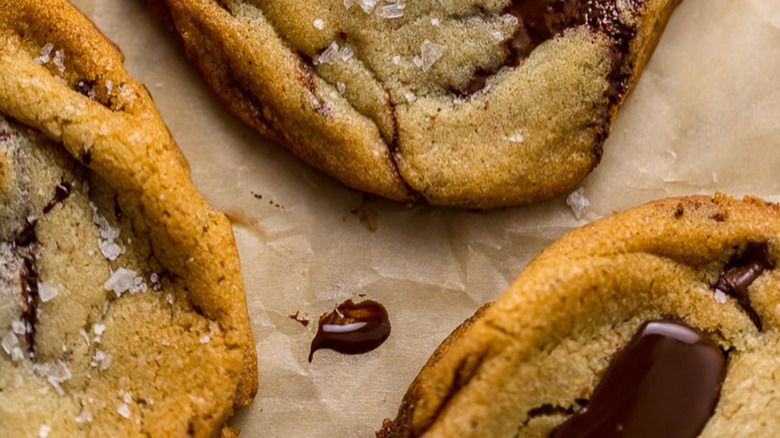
x=122, y=311
x=474, y=103
x=660, y=321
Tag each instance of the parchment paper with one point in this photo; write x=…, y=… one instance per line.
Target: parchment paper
x=704, y=117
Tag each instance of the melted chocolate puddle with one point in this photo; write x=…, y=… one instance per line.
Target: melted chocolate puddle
x=61, y=193
x=542, y=20
x=352, y=328
x=665, y=383
x=741, y=272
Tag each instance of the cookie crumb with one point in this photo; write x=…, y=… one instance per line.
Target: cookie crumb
x=578, y=203
x=341, y=87
x=679, y=211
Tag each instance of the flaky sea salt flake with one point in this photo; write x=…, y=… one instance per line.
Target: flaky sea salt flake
x=83, y=417
x=9, y=342
x=55, y=373
x=429, y=53
x=329, y=55
x=319, y=23
x=99, y=329
x=391, y=11
x=45, y=55
x=347, y=53
x=123, y=410
x=366, y=5
x=578, y=203
x=19, y=327
x=515, y=138
x=341, y=87
x=100, y=360
x=47, y=292
x=205, y=339
x=59, y=60
x=719, y=296
x=125, y=280
x=44, y=431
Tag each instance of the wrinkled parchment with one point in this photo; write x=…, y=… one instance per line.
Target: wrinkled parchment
x=704, y=117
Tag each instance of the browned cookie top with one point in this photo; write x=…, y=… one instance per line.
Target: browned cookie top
x=536, y=357
x=473, y=103
x=122, y=311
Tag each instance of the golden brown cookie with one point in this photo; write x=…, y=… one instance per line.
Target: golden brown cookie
x=525, y=364
x=474, y=103
x=122, y=310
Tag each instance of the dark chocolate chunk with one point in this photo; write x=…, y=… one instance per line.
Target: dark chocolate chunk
x=61, y=193
x=741, y=272
x=352, y=328
x=665, y=383
x=27, y=236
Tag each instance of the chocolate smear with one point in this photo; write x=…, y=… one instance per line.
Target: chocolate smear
x=542, y=20
x=665, y=383
x=27, y=236
x=741, y=272
x=352, y=328
x=29, y=280
x=61, y=193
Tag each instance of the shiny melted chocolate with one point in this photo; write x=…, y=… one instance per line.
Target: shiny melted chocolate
x=741, y=272
x=542, y=20
x=352, y=328
x=664, y=383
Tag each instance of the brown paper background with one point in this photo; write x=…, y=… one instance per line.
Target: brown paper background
x=704, y=117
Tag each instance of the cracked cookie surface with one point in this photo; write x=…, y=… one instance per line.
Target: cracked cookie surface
x=122, y=311
x=474, y=103
x=526, y=363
